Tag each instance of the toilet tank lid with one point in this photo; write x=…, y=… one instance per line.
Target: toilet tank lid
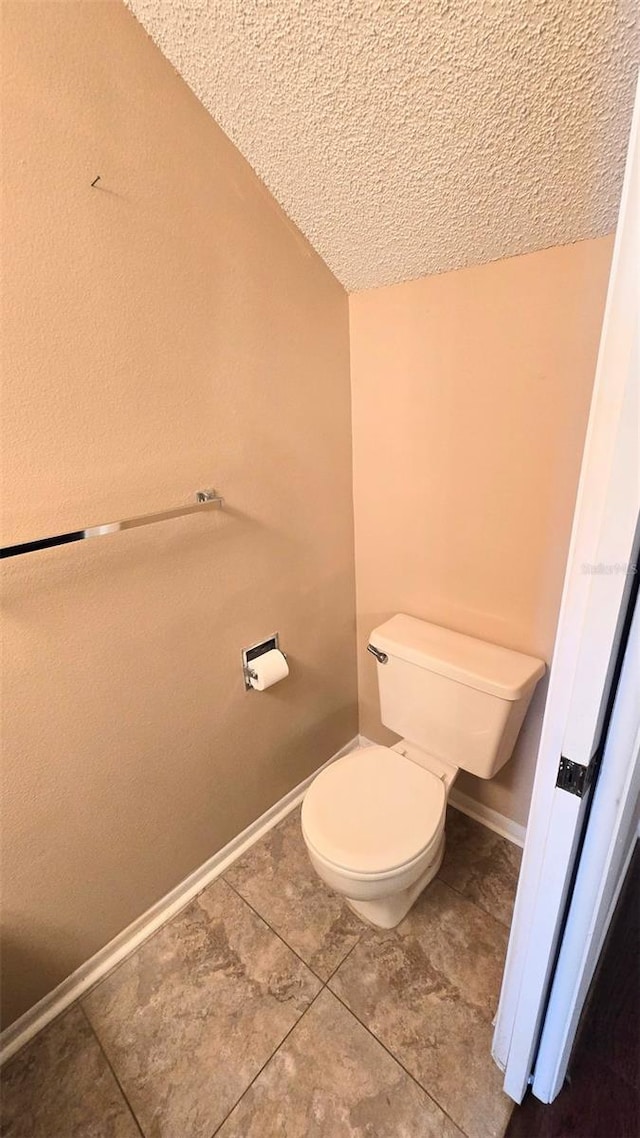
x=475, y=663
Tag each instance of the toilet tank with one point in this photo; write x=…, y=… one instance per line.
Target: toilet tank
x=458, y=698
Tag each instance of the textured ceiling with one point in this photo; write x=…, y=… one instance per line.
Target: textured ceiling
x=406, y=137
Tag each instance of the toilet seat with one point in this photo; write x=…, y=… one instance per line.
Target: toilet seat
x=408, y=871
x=373, y=813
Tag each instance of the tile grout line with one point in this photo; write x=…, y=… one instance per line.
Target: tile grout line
x=168, y=921
x=379, y=1041
x=116, y=968
x=323, y=987
x=325, y=984
x=286, y=943
x=223, y=877
x=475, y=904
x=125, y=960
x=112, y=1069
x=345, y=958
x=398, y=1061
x=322, y=983
x=267, y=1061
x=271, y=929
x=113, y=971
x=140, y=947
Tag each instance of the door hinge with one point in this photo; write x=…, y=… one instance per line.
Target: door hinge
x=575, y=777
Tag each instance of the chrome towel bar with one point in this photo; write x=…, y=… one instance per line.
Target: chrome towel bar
x=204, y=500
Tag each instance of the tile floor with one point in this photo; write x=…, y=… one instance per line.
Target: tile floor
x=266, y=1008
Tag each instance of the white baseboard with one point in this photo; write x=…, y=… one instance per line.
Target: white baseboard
x=23, y=1029
x=499, y=823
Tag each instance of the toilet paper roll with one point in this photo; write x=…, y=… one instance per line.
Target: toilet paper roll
x=269, y=669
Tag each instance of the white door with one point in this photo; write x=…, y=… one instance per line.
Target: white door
x=596, y=596
x=610, y=838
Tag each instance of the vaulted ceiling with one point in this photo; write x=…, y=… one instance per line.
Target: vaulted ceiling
x=406, y=137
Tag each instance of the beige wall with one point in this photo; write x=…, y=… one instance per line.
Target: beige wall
x=171, y=330
x=166, y=331
x=471, y=393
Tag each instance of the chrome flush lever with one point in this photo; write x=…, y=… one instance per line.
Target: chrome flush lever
x=381, y=657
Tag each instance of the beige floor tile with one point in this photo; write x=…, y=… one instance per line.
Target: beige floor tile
x=60, y=1086
x=188, y=1021
x=428, y=990
x=481, y=865
x=276, y=877
x=331, y=1079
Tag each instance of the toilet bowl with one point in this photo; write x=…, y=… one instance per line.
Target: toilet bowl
x=373, y=821
x=373, y=825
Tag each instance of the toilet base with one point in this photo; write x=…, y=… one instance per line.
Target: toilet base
x=387, y=912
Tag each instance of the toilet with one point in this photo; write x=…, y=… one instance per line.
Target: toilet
x=373, y=821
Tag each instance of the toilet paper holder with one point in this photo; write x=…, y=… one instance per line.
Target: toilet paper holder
x=252, y=653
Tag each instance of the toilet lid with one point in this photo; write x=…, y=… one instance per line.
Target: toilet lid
x=373, y=810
